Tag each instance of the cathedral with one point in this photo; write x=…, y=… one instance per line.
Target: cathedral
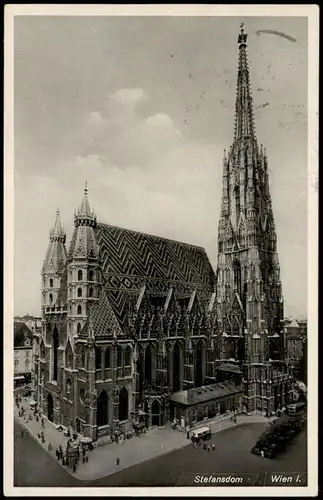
x=138, y=330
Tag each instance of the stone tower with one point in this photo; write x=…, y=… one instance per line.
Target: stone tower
x=53, y=269
x=49, y=369
x=249, y=291
x=83, y=269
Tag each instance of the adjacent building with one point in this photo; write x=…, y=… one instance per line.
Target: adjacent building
x=23, y=359
x=295, y=345
x=138, y=328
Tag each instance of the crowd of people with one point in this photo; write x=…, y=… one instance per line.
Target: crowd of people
x=74, y=452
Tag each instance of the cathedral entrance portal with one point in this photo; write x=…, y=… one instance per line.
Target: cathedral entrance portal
x=102, y=409
x=155, y=411
x=50, y=408
x=123, y=404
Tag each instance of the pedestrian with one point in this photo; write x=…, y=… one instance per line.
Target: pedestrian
x=118, y=461
x=63, y=461
x=209, y=448
x=57, y=454
x=86, y=458
x=22, y=433
x=213, y=447
x=204, y=446
x=50, y=447
x=74, y=467
x=262, y=454
x=188, y=435
x=43, y=423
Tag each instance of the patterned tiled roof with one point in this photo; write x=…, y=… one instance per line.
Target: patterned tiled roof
x=102, y=319
x=56, y=254
x=131, y=259
x=127, y=252
x=83, y=244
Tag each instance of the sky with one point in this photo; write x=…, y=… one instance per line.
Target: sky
x=142, y=108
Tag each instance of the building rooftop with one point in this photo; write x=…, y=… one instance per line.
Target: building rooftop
x=131, y=259
x=23, y=336
x=205, y=393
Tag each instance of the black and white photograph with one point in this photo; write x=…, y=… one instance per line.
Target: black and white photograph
x=161, y=187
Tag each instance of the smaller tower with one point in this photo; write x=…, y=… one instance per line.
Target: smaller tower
x=54, y=267
x=83, y=270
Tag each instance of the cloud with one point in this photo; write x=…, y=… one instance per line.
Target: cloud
x=125, y=136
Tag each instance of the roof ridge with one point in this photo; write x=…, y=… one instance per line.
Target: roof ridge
x=151, y=235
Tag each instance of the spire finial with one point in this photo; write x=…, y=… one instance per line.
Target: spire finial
x=242, y=39
x=85, y=188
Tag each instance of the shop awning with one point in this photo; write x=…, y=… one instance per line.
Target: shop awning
x=19, y=377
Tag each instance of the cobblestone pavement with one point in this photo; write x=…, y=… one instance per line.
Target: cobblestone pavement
x=102, y=460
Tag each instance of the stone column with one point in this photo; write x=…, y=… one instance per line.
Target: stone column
x=203, y=364
x=181, y=367
x=142, y=368
x=91, y=401
x=153, y=367
x=149, y=413
x=170, y=365
x=115, y=406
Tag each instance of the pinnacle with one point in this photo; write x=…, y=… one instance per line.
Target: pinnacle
x=57, y=232
x=84, y=211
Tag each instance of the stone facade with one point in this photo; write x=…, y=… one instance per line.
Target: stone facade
x=249, y=290
x=130, y=319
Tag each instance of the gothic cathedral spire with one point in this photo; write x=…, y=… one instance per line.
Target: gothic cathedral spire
x=249, y=293
x=54, y=265
x=244, y=120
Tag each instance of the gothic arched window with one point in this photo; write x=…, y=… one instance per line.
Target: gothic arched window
x=69, y=356
x=237, y=276
x=50, y=298
x=237, y=202
x=119, y=356
x=79, y=292
x=79, y=309
x=91, y=275
x=79, y=275
x=79, y=327
x=91, y=292
x=55, y=353
x=98, y=360
x=68, y=386
x=127, y=356
x=107, y=358
x=51, y=283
